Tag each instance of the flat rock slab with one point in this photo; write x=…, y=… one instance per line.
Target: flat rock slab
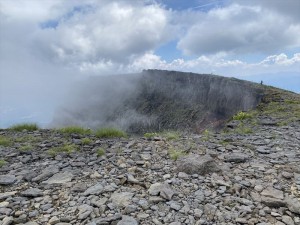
x=272, y=193
x=127, y=220
x=7, y=179
x=236, y=158
x=5, y=195
x=60, y=178
x=197, y=164
x=293, y=204
x=94, y=190
x=121, y=199
x=32, y=192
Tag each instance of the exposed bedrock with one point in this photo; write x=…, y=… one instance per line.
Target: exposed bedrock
x=157, y=100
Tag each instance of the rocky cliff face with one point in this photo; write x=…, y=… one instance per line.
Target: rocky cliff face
x=156, y=100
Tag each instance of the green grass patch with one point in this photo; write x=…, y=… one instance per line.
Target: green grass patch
x=100, y=152
x=110, y=133
x=75, y=130
x=242, y=116
x=2, y=162
x=176, y=154
x=150, y=135
x=28, y=138
x=4, y=141
x=170, y=135
x=68, y=148
x=24, y=126
x=86, y=141
x=26, y=148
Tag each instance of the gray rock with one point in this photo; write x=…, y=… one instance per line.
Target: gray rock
x=6, y=195
x=7, y=179
x=272, y=193
x=293, y=204
x=7, y=220
x=94, y=190
x=121, y=199
x=32, y=192
x=60, y=178
x=162, y=189
x=236, y=158
x=288, y=220
x=107, y=220
x=46, y=173
x=197, y=164
x=273, y=202
x=127, y=220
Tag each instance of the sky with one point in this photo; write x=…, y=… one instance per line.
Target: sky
x=47, y=45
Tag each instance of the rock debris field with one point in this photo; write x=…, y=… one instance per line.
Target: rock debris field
x=215, y=178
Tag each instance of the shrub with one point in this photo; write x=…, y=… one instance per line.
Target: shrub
x=68, y=148
x=242, y=116
x=24, y=126
x=110, y=132
x=100, y=152
x=2, y=162
x=75, y=130
x=4, y=141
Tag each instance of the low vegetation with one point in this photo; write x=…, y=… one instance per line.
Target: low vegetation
x=150, y=135
x=242, y=116
x=175, y=154
x=4, y=141
x=67, y=148
x=100, y=152
x=2, y=162
x=24, y=126
x=110, y=133
x=75, y=130
x=86, y=141
x=26, y=148
x=169, y=135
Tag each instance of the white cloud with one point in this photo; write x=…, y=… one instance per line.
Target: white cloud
x=239, y=29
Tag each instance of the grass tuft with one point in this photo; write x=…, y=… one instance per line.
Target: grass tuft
x=100, y=152
x=176, y=154
x=24, y=126
x=75, y=130
x=242, y=116
x=150, y=135
x=2, y=162
x=86, y=141
x=110, y=132
x=68, y=148
x=4, y=141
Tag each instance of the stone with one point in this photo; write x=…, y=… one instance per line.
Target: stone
x=7, y=179
x=121, y=199
x=6, y=195
x=54, y=220
x=293, y=204
x=236, y=158
x=7, y=220
x=197, y=164
x=288, y=220
x=162, y=189
x=60, y=178
x=272, y=193
x=32, y=192
x=94, y=190
x=273, y=202
x=107, y=220
x=127, y=220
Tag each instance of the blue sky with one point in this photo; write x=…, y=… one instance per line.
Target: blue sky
x=47, y=45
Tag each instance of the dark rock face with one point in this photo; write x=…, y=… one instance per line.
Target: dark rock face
x=157, y=100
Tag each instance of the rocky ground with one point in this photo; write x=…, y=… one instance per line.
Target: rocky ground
x=249, y=173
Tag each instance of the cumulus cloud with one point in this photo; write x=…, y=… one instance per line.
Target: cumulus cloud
x=240, y=29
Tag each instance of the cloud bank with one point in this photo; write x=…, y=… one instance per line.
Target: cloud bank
x=47, y=45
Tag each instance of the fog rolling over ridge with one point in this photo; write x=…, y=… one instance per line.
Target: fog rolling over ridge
x=156, y=100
